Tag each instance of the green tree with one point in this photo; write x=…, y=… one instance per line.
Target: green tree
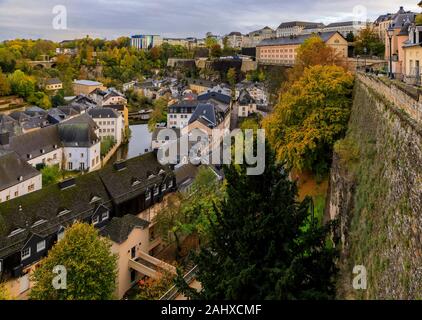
x=232, y=77
x=210, y=42
x=4, y=85
x=21, y=84
x=40, y=99
x=91, y=267
x=190, y=213
x=369, y=39
x=310, y=117
x=58, y=99
x=264, y=244
x=50, y=175
x=159, y=114
x=216, y=51
x=350, y=37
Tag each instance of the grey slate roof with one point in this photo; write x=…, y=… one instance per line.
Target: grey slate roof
x=146, y=170
x=119, y=229
x=53, y=81
x=295, y=24
x=325, y=36
x=340, y=24
x=75, y=202
x=33, y=143
x=220, y=97
x=103, y=113
x=78, y=132
x=245, y=98
x=12, y=167
x=208, y=114
x=47, y=204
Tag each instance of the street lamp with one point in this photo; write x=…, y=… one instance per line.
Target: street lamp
x=390, y=33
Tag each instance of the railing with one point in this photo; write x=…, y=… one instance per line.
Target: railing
x=173, y=292
x=150, y=266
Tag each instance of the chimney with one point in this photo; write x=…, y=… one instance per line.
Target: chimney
x=4, y=138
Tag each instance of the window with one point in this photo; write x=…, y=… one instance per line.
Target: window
x=82, y=155
x=82, y=166
x=163, y=188
x=70, y=155
x=104, y=216
x=170, y=183
x=95, y=220
x=7, y=198
x=25, y=253
x=40, y=246
x=147, y=195
x=70, y=166
x=16, y=193
x=156, y=190
x=60, y=235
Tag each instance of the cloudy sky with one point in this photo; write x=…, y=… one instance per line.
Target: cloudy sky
x=176, y=18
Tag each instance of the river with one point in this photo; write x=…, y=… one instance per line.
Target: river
x=139, y=143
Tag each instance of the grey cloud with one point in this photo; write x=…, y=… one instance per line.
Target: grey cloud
x=113, y=18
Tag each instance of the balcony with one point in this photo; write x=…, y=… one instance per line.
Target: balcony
x=150, y=266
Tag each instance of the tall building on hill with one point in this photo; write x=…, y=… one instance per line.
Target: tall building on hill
x=145, y=42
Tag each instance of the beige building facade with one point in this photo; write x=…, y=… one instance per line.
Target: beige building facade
x=283, y=51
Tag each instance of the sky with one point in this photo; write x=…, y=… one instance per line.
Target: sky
x=175, y=18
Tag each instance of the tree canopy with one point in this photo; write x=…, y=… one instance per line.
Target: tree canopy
x=310, y=117
x=91, y=267
x=369, y=39
x=314, y=51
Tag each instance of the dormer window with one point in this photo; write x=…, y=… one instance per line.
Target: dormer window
x=25, y=253
x=95, y=199
x=41, y=246
x=39, y=222
x=42, y=151
x=135, y=182
x=147, y=194
x=170, y=184
x=163, y=188
x=104, y=216
x=63, y=212
x=95, y=220
x=20, y=179
x=29, y=156
x=16, y=232
x=156, y=190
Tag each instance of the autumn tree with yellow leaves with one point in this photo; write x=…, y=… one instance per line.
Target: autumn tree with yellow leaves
x=310, y=117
